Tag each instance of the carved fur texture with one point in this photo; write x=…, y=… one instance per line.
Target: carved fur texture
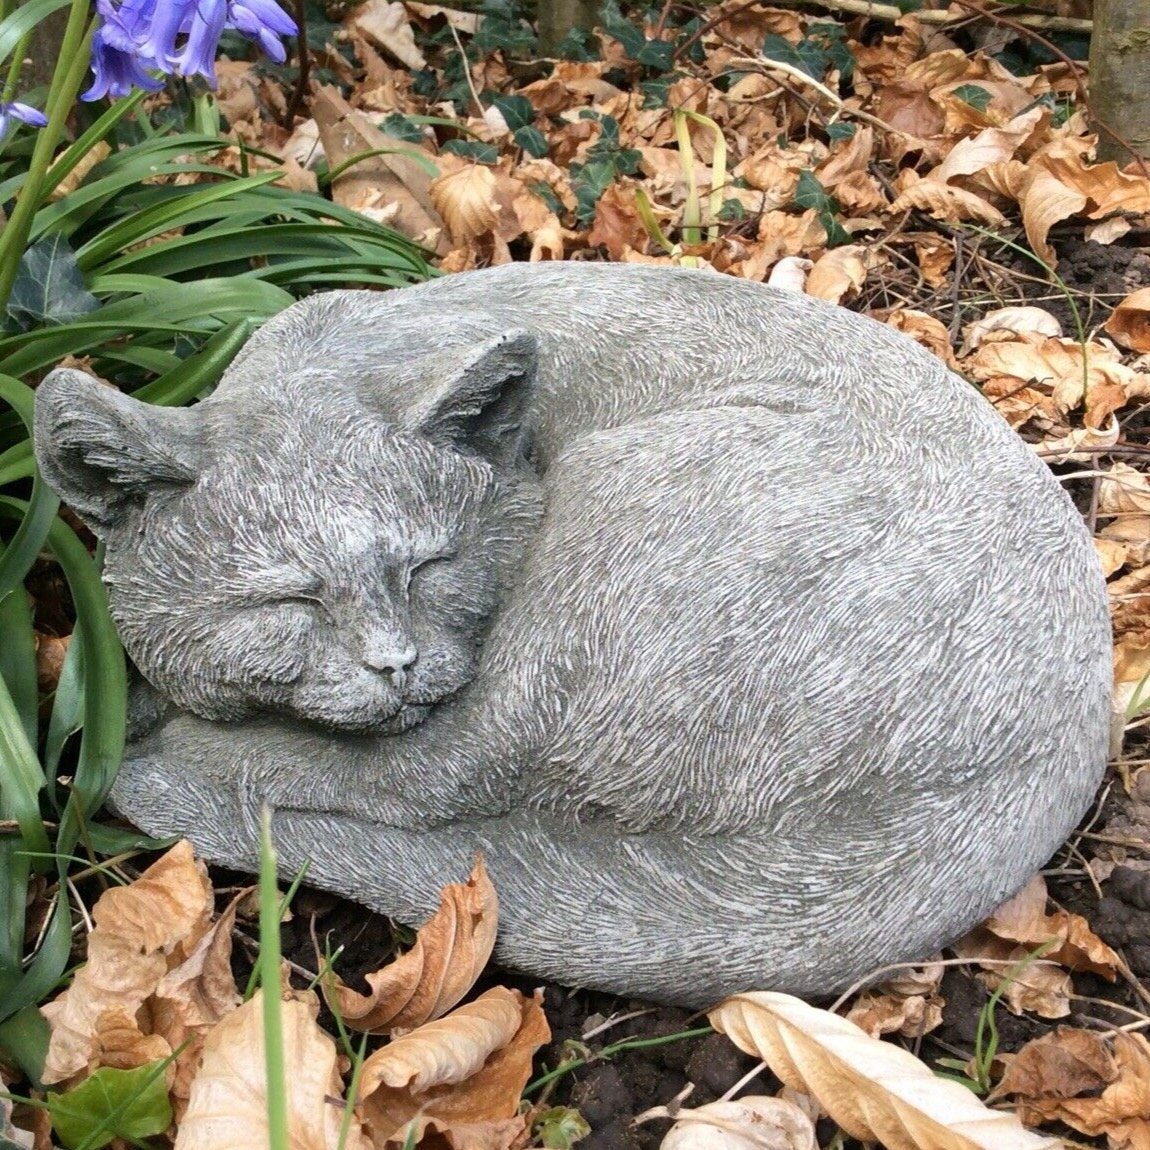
x=748, y=643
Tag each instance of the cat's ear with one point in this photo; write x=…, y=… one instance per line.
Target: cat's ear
x=474, y=397
x=101, y=450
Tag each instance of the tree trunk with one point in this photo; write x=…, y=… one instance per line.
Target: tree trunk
x=555, y=18
x=1120, y=78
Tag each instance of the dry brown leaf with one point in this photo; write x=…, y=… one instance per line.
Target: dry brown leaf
x=227, y=1109
x=1124, y=489
x=386, y=25
x=749, y=1123
x=924, y=329
x=874, y=1090
x=1021, y=320
x=909, y=1004
x=1060, y=183
x=98, y=152
x=141, y=931
x=1023, y=920
x=467, y=22
x=1062, y=1064
x=192, y=997
x=990, y=146
x=1080, y=444
x=1073, y=1076
x=393, y=183
x=1133, y=532
x=466, y=200
x=1055, y=365
x=947, y=203
x=1034, y=986
x=469, y=1067
x=450, y=951
x=617, y=224
x=1129, y=323
x=935, y=257
x=50, y=654
x=838, y=273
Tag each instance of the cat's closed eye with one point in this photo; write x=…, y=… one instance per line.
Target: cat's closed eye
x=429, y=566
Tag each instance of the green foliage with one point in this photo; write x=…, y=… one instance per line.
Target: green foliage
x=973, y=94
x=822, y=49
x=657, y=55
x=519, y=114
x=811, y=194
x=402, y=127
x=560, y=1128
x=477, y=150
x=606, y=161
x=49, y=287
x=128, y=1104
x=158, y=283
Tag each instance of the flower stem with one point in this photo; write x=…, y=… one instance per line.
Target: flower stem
x=66, y=81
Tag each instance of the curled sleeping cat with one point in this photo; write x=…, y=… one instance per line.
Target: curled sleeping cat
x=749, y=643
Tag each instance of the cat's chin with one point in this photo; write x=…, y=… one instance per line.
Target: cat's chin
x=404, y=719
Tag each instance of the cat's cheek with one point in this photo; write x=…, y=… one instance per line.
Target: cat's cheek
x=445, y=664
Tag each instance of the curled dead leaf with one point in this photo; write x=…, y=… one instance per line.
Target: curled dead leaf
x=838, y=273
x=227, y=1108
x=909, y=1004
x=1124, y=489
x=1030, y=320
x=1021, y=927
x=874, y=1090
x=450, y=951
x=750, y=1123
x=949, y=204
x=141, y=931
x=466, y=1068
x=1092, y=1084
x=1129, y=323
x=466, y=201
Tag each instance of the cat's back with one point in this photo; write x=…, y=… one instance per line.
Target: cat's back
x=619, y=343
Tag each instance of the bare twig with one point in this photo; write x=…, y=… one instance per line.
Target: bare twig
x=941, y=18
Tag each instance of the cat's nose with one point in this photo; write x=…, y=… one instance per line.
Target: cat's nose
x=391, y=661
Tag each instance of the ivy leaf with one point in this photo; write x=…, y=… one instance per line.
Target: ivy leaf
x=805, y=55
x=400, y=127
x=129, y=1104
x=517, y=111
x=531, y=140
x=606, y=161
x=811, y=194
x=473, y=150
x=976, y=97
x=49, y=287
x=840, y=131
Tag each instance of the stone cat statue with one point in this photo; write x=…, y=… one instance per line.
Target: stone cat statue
x=747, y=642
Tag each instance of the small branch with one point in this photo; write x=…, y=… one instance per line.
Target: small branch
x=891, y=14
x=295, y=104
x=804, y=78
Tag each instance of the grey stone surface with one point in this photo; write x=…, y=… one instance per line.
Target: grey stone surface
x=747, y=641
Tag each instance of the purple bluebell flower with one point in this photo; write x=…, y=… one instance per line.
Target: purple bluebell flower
x=264, y=21
x=176, y=37
x=123, y=49
x=17, y=111
x=205, y=23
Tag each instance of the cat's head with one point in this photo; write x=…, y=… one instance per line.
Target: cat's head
x=321, y=559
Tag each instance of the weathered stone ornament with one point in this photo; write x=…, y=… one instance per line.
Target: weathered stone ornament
x=748, y=643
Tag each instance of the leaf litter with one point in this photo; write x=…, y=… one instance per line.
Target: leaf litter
x=857, y=160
